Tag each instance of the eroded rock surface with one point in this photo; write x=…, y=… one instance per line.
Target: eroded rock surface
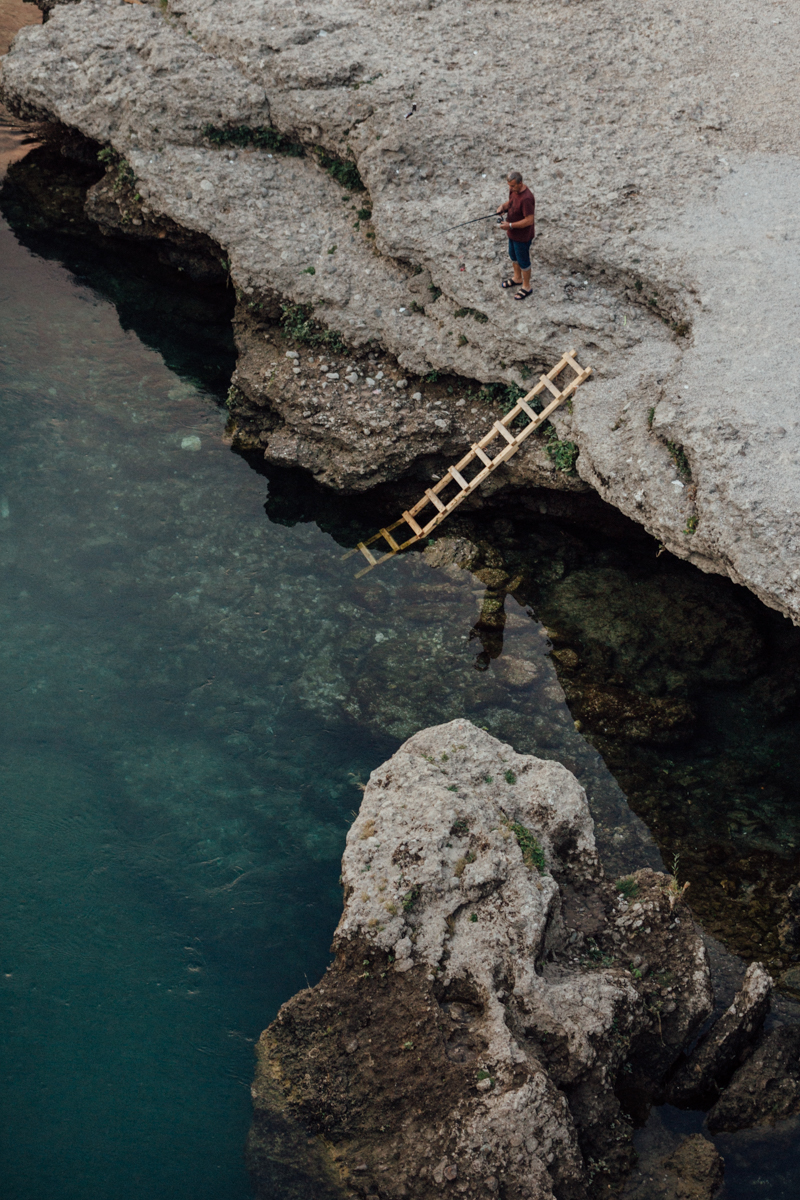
x=765, y=1088
x=480, y=1012
x=663, y=148
x=699, y=1082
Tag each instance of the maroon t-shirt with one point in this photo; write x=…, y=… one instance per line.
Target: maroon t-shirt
x=521, y=205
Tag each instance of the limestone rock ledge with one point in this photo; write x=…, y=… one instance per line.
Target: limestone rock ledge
x=663, y=147
x=484, y=1011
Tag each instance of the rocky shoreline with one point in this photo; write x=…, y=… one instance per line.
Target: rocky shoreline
x=664, y=257
x=366, y=358
x=499, y=1015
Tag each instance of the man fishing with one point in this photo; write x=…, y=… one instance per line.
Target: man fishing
x=520, y=211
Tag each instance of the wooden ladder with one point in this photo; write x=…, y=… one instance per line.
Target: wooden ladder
x=509, y=445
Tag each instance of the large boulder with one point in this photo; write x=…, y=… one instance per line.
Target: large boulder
x=480, y=1013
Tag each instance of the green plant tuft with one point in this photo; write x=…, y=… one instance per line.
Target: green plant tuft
x=114, y=161
x=411, y=897
x=510, y=777
x=475, y=313
x=297, y=322
x=562, y=454
x=343, y=171
x=691, y=524
x=263, y=137
x=678, y=456
x=627, y=887
x=532, y=852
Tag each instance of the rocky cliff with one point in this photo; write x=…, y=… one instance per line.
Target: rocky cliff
x=323, y=148
x=496, y=1010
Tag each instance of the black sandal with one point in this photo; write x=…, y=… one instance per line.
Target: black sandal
x=523, y=295
x=507, y=284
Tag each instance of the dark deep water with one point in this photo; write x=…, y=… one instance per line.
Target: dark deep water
x=192, y=688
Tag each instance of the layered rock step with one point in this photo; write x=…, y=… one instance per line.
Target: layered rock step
x=663, y=148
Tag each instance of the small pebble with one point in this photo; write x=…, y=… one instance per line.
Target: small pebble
x=192, y=442
x=417, y=396
x=292, y=354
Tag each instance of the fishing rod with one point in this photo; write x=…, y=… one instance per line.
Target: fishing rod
x=472, y=222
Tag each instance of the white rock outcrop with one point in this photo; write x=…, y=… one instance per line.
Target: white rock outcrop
x=663, y=148
x=481, y=1009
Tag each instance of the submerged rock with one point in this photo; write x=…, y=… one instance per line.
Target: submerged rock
x=481, y=1010
x=766, y=1088
x=694, y=1170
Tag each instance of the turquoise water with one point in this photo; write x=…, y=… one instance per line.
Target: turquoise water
x=172, y=821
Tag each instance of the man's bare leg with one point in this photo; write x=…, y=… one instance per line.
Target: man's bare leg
x=525, y=281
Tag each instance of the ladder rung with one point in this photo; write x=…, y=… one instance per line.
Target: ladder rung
x=527, y=410
x=487, y=462
x=500, y=427
x=385, y=533
x=548, y=383
x=459, y=478
x=434, y=499
x=417, y=528
x=368, y=555
x=376, y=563
x=577, y=368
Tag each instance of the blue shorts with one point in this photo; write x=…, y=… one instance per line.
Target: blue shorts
x=520, y=252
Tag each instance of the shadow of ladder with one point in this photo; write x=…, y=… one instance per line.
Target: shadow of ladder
x=454, y=477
